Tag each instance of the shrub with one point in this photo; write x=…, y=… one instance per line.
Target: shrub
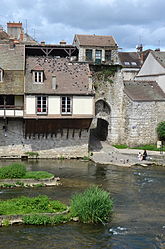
x=161, y=130
x=94, y=205
x=32, y=154
x=14, y=170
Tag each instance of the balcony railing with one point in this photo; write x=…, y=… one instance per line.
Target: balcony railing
x=11, y=111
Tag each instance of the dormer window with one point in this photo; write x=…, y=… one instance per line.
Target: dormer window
x=38, y=76
x=1, y=75
x=126, y=63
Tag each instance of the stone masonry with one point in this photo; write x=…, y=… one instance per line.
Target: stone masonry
x=14, y=144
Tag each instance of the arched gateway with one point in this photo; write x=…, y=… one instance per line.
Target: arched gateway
x=102, y=113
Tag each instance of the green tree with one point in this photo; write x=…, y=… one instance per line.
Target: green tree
x=161, y=130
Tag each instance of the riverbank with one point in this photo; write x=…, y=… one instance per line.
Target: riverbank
x=104, y=153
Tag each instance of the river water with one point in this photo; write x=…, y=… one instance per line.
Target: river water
x=138, y=221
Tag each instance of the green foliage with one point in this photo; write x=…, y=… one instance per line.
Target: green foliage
x=37, y=175
x=105, y=74
x=21, y=184
x=61, y=157
x=32, y=154
x=14, y=170
x=94, y=205
x=27, y=205
x=86, y=158
x=161, y=130
x=45, y=220
x=5, y=222
x=151, y=147
x=7, y=185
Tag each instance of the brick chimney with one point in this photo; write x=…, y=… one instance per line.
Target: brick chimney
x=14, y=29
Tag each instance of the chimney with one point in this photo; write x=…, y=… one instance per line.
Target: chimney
x=14, y=29
x=62, y=42
x=21, y=36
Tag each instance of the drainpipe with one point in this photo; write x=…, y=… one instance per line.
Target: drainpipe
x=5, y=121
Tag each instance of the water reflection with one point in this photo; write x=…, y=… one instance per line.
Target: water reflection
x=138, y=220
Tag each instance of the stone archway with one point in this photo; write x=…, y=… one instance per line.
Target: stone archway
x=102, y=112
x=102, y=108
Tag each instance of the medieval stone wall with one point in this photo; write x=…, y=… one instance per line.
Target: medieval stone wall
x=141, y=120
x=66, y=145
x=130, y=122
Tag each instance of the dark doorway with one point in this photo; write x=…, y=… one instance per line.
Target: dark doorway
x=102, y=129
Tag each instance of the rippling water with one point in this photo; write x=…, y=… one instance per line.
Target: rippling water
x=138, y=221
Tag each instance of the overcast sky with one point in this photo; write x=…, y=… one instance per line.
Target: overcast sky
x=130, y=22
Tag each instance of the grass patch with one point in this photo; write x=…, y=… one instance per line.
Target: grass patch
x=94, y=205
x=37, y=175
x=14, y=170
x=151, y=147
x=27, y=205
x=120, y=146
x=18, y=171
x=45, y=220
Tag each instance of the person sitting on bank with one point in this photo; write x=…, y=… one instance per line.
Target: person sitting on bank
x=144, y=155
x=140, y=156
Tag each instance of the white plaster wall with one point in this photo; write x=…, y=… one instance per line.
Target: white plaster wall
x=83, y=105
x=54, y=105
x=151, y=67
x=30, y=104
x=81, y=56
x=161, y=82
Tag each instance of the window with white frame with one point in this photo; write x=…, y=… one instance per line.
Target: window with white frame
x=1, y=75
x=41, y=105
x=66, y=105
x=38, y=76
